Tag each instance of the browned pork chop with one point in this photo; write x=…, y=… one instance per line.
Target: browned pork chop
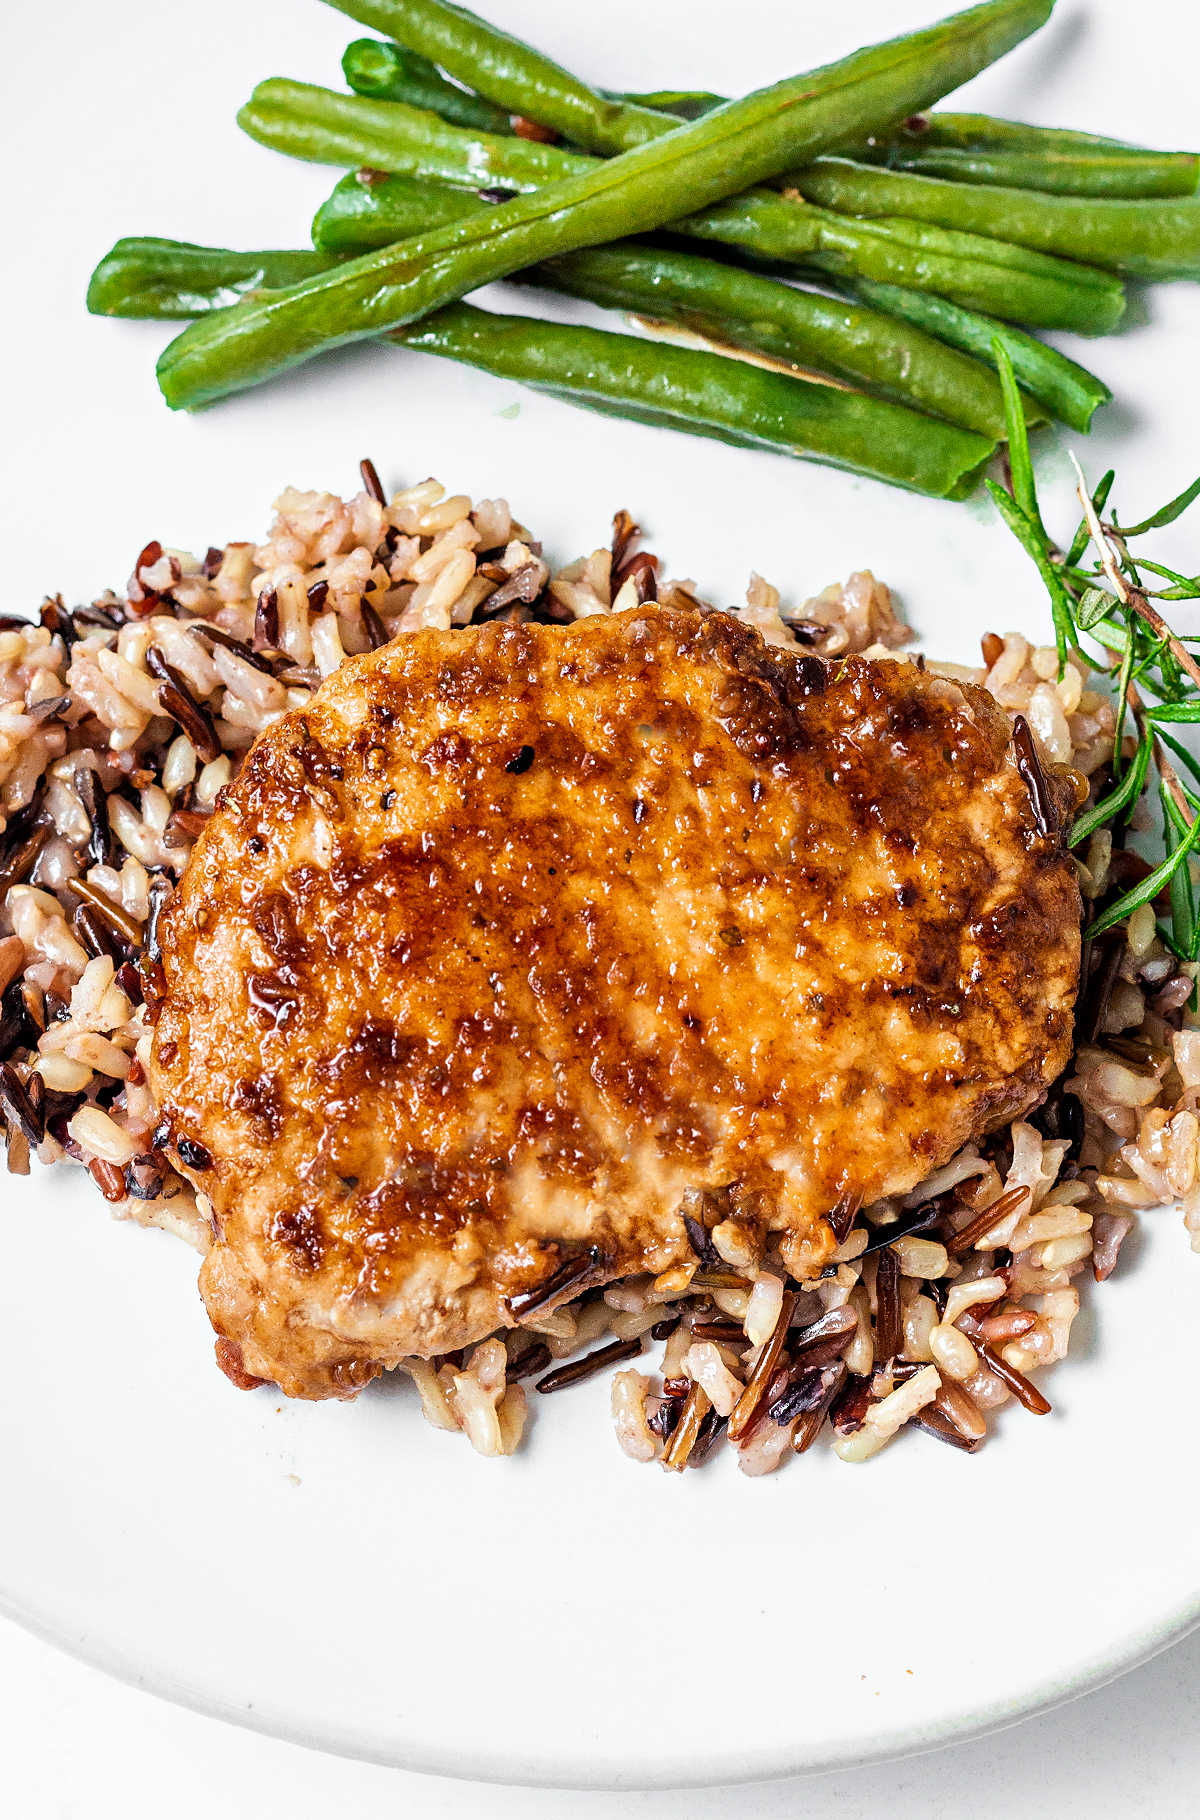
x=517, y=936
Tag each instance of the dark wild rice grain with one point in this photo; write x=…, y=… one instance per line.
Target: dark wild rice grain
x=533, y=1358
x=1026, y=1393
x=840, y=1217
x=176, y=700
x=760, y=1377
x=266, y=621
x=16, y=1101
x=1033, y=777
x=920, y=1219
x=194, y=1154
x=115, y=916
x=696, y=1406
x=850, y=1406
x=160, y=891
x=215, y=636
x=984, y=1221
x=101, y=845
x=97, y=938
x=371, y=481
x=624, y=534
x=888, y=1330
x=813, y=1419
x=665, y=1419
x=701, y=1243
x=824, y=1339
x=589, y=1365
x=143, y=1177
x=373, y=626
x=705, y=1278
x=725, y=1333
x=524, y=584
x=934, y=1423
x=570, y=1276
x=711, y=1429
x=21, y=859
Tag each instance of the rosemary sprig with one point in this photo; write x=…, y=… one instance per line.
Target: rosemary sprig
x=1105, y=613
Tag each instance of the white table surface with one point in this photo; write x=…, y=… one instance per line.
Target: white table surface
x=74, y=1743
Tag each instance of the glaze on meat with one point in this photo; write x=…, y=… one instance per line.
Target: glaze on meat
x=521, y=940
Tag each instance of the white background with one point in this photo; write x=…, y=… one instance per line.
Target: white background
x=120, y=121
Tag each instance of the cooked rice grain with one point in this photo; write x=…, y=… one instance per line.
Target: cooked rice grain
x=121, y=723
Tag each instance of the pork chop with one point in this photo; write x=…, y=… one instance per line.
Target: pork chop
x=519, y=938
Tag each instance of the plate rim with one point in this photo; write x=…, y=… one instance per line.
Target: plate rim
x=892, y=1744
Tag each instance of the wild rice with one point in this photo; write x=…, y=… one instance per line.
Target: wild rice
x=122, y=721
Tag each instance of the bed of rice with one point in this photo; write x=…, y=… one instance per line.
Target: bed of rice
x=121, y=722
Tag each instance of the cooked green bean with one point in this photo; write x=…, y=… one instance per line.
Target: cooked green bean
x=723, y=303
x=319, y=124
x=745, y=310
x=978, y=272
x=691, y=389
x=690, y=167
x=389, y=72
x=523, y=81
x=368, y=209
x=512, y=74
x=172, y=278
x=686, y=103
x=971, y=269
x=974, y=148
x=384, y=71
x=1147, y=239
x=615, y=373
x=1068, y=390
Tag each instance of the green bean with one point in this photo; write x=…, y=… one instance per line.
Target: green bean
x=524, y=82
x=1152, y=174
x=384, y=71
x=1068, y=391
x=614, y=373
x=745, y=310
x=978, y=272
x=1147, y=239
x=685, y=103
x=510, y=73
x=690, y=389
x=389, y=72
x=368, y=209
x=171, y=278
x=723, y=303
x=690, y=167
x=319, y=124
x=971, y=269
x=974, y=148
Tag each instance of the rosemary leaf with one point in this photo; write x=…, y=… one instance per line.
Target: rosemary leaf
x=1166, y=514
x=1094, y=606
x=1024, y=488
x=1110, y=806
x=1034, y=540
x=1174, y=711
x=1149, y=887
x=1181, y=752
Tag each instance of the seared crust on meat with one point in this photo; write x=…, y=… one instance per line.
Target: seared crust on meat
x=518, y=936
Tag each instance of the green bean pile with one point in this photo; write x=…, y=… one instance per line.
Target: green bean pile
x=928, y=242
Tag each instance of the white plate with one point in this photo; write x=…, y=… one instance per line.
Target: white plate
x=345, y=1576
